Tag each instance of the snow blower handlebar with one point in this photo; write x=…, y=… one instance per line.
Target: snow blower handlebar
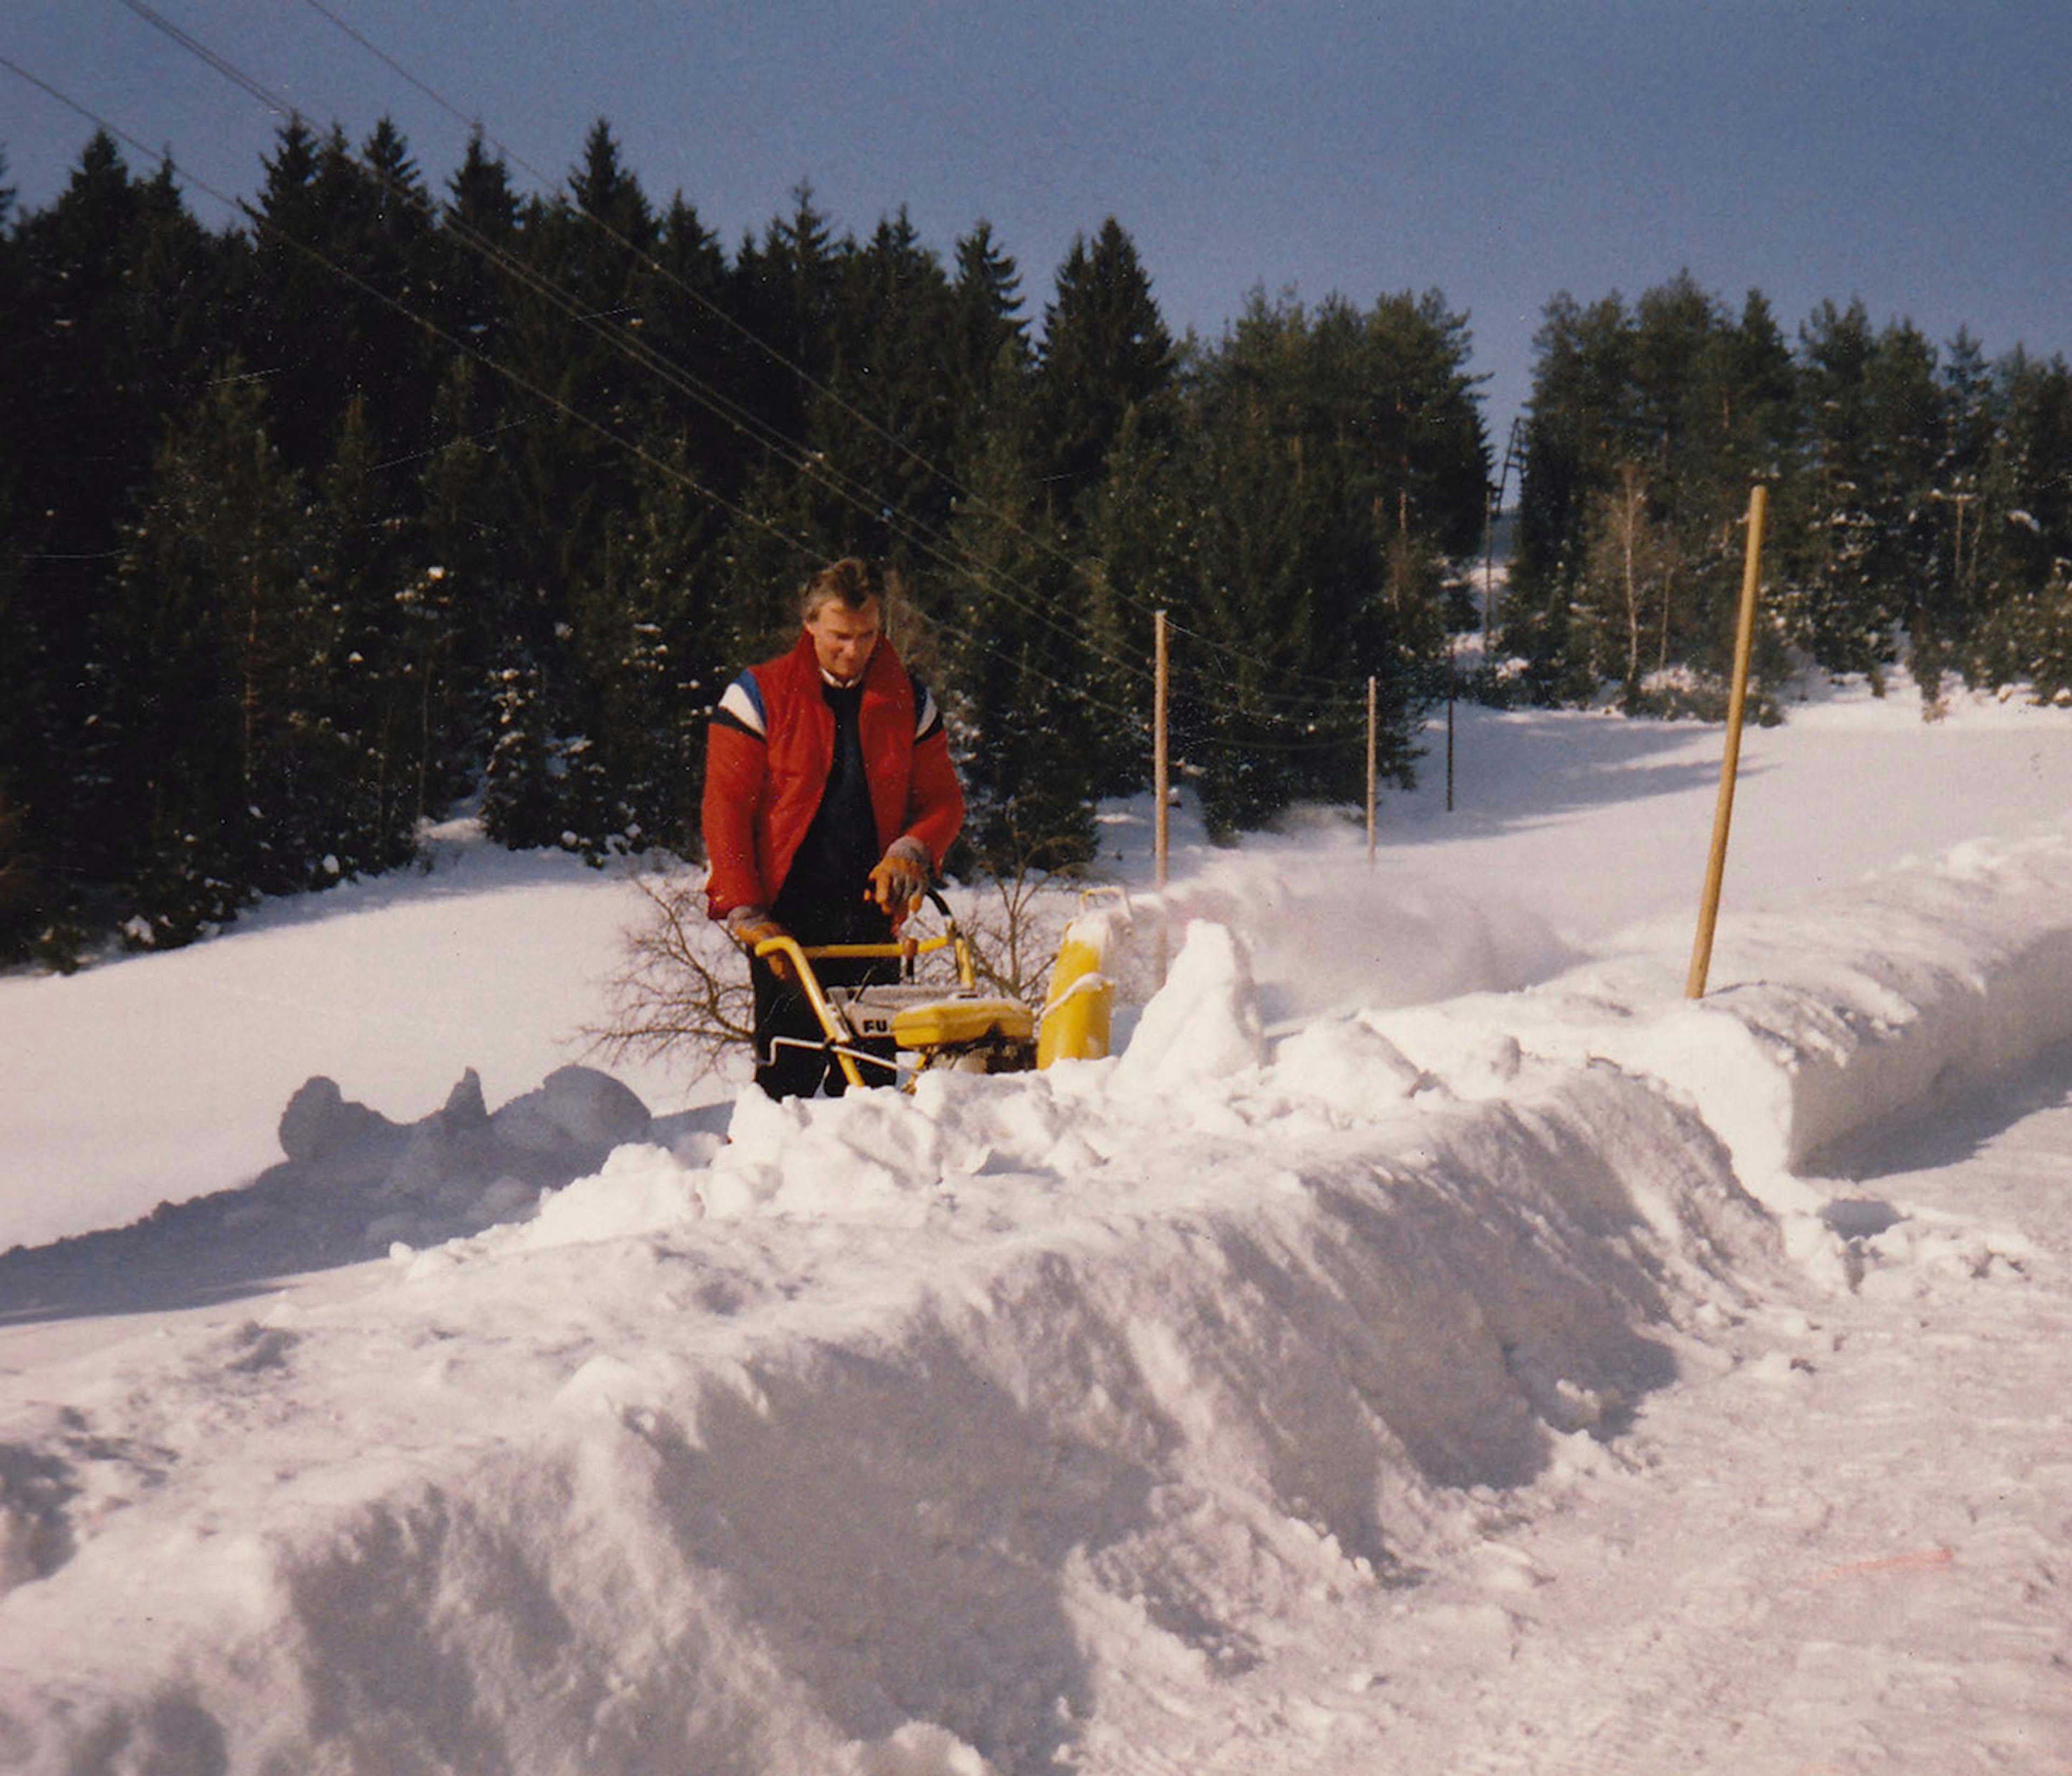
x=903, y=950
x=840, y=1036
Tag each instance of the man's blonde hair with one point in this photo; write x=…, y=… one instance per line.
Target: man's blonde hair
x=851, y=582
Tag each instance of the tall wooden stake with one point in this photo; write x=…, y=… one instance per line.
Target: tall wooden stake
x=1161, y=776
x=1371, y=784
x=1449, y=722
x=1723, y=816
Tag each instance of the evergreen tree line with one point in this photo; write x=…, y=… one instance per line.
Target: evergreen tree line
x=315, y=526
x=1921, y=502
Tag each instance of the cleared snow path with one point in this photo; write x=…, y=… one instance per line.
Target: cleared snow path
x=1878, y=1580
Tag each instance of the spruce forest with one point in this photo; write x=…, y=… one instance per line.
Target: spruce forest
x=388, y=500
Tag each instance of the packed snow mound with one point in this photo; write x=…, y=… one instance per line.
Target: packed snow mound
x=861, y=1459
x=1204, y=1023
x=351, y=1184
x=1860, y=1004
x=840, y=1443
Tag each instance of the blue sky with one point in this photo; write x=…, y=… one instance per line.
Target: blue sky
x=1917, y=155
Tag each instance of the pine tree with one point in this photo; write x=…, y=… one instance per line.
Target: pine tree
x=2021, y=529
x=654, y=670
x=683, y=295
x=24, y=894
x=295, y=320
x=987, y=340
x=1907, y=410
x=1845, y=615
x=216, y=659
x=1288, y=534
x=110, y=334
x=392, y=252
x=1418, y=421
x=785, y=295
x=455, y=609
x=471, y=253
x=1105, y=350
x=1742, y=428
x=524, y=805
x=2028, y=518
x=572, y=338
x=1033, y=627
x=882, y=430
x=1295, y=527
x=363, y=555
x=1023, y=717
x=1577, y=425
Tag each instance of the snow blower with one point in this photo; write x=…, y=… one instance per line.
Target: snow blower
x=949, y=1025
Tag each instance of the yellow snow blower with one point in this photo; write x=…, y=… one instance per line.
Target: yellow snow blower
x=949, y=1025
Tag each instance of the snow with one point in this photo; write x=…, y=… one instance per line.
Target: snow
x=1431, y=1342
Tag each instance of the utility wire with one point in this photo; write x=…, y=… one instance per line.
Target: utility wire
x=195, y=47
x=636, y=353
x=525, y=385
x=1030, y=601
x=698, y=297
x=801, y=460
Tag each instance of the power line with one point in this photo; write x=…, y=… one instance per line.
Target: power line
x=797, y=543
x=742, y=420
x=799, y=459
x=73, y=105
x=698, y=297
x=194, y=46
x=323, y=261
x=1031, y=600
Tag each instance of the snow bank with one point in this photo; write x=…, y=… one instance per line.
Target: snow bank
x=1864, y=1005
x=868, y=1439
x=741, y=1494
x=830, y=1449
x=350, y=1184
x=1920, y=985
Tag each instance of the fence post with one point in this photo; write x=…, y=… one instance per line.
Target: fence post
x=1161, y=776
x=1370, y=771
x=1715, y=868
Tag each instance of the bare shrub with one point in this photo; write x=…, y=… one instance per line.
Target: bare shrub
x=681, y=994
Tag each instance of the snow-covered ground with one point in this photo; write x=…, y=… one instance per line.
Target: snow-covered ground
x=1433, y=1344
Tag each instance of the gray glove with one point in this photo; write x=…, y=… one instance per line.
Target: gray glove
x=900, y=877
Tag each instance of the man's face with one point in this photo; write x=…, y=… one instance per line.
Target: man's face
x=843, y=638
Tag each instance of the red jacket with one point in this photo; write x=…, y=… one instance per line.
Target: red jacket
x=768, y=755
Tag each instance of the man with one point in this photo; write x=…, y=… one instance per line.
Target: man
x=829, y=801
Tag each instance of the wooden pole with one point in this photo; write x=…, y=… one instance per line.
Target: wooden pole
x=1161, y=762
x=1160, y=777
x=1449, y=722
x=1723, y=816
x=1490, y=496
x=1371, y=772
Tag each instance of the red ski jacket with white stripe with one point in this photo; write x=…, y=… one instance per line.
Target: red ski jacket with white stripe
x=768, y=755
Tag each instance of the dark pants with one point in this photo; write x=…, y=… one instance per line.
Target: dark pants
x=791, y=1059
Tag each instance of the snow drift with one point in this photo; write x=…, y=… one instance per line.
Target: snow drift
x=869, y=1440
